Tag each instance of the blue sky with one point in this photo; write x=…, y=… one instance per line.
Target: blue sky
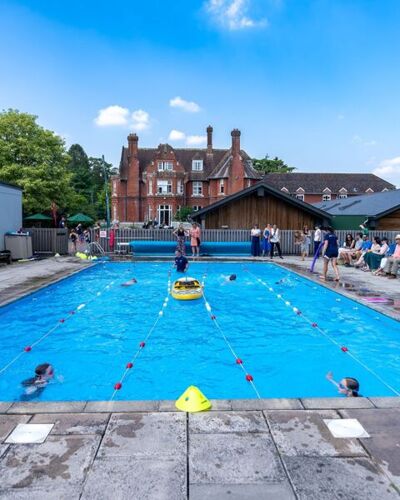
x=313, y=82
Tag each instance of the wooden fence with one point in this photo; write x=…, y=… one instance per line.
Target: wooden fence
x=56, y=240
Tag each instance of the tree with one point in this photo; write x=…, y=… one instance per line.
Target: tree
x=35, y=159
x=183, y=213
x=269, y=166
x=97, y=168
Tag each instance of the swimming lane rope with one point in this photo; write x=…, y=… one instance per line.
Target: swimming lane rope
x=142, y=344
x=239, y=361
x=315, y=325
x=60, y=322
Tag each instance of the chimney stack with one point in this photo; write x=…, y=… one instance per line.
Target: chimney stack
x=235, y=142
x=133, y=145
x=209, y=139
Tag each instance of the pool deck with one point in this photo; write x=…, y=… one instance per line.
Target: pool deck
x=240, y=450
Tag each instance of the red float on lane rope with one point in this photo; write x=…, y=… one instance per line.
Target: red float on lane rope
x=27, y=348
x=344, y=348
x=298, y=313
x=213, y=317
x=142, y=344
x=239, y=361
x=314, y=325
x=117, y=386
x=62, y=320
x=249, y=378
x=129, y=365
x=72, y=312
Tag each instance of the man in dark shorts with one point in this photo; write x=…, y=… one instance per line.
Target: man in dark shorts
x=330, y=253
x=181, y=262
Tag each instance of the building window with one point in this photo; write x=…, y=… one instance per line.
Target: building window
x=165, y=165
x=180, y=186
x=326, y=197
x=248, y=183
x=197, y=165
x=150, y=187
x=196, y=208
x=197, y=188
x=342, y=196
x=222, y=186
x=300, y=196
x=164, y=215
x=150, y=212
x=164, y=187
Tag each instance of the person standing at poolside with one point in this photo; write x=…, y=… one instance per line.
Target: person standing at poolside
x=266, y=245
x=195, y=241
x=180, y=234
x=317, y=239
x=255, y=235
x=330, y=253
x=305, y=246
x=275, y=239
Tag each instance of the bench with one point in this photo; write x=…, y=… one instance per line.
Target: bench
x=5, y=256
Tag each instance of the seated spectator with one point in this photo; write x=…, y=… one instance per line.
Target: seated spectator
x=375, y=248
x=355, y=253
x=347, y=248
x=373, y=259
x=393, y=262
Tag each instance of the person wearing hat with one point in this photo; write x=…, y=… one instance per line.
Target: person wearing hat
x=393, y=262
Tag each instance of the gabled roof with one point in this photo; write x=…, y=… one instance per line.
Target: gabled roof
x=372, y=205
x=315, y=183
x=268, y=189
x=222, y=170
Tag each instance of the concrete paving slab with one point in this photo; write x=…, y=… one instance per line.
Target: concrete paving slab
x=59, y=464
x=384, y=442
x=74, y=423
x=266, y=404
x=160, y=435
x=121, y=406
x=335, y=403
x=132, y=478
x=281, y=491
x=330, y=478
x=241, y=458
x=388, y=402
x=4, y=407
x=304, y=433
x=217, y=405
x=233, y=421
x=8, y=422
x=3, y=449
x=47, y=407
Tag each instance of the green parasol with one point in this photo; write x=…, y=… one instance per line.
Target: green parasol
x=80, y=218
x=38, y=217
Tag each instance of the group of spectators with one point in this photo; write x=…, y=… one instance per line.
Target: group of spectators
x=264, y=243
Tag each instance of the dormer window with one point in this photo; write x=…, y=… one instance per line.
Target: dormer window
x=300, y=194
x=342, y=193
x=369, y=190
x=222, y=186
x=285, y=190
x=326, y=194
x=165, y=165
x=197, y=165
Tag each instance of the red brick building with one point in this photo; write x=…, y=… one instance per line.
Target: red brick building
x=153, y=183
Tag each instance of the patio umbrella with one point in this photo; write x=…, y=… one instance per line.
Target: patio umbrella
x=80, y=218
x=38, y=217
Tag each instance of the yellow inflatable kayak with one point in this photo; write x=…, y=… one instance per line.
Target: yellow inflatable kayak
x=186, y=289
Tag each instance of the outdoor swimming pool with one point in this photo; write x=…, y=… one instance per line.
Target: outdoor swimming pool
x=284, y=353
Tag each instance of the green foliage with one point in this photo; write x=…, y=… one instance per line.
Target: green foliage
x=269, y=166
x=183, y=213
x=35, y=159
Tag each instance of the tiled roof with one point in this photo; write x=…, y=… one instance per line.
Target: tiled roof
x=218, y=168
x=369, y=205
x=315, y=183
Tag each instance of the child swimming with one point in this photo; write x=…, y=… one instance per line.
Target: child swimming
x=348, y=386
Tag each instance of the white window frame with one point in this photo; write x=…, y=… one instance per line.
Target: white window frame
x=164, y=214
x=197, y=165
x=342, y=196
x=150, y=189
x=221, y=186
x=163, y=166
x=180, y=186
x=197, y=188
x=164, y=186
x=196, y=208
x=300, y=196
x=326, y=197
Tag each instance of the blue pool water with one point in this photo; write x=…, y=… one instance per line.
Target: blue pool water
x=286, y=356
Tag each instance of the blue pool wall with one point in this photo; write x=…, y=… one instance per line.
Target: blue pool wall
x=238, y=248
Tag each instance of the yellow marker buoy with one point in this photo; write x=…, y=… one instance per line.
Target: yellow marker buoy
x=193, y=400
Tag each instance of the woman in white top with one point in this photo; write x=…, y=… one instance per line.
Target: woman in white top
x=317, y=239
x=275, y=241
x=255, y=241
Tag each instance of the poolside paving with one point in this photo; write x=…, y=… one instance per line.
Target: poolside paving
x=221, y=454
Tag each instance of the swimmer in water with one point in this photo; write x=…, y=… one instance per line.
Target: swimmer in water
x=130, y=282
x=348, y=386
x=232, y=277
x=35, y=385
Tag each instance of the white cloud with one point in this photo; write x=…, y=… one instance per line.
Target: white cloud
x=177, y=135
x=140, y=120
x=389, y=170
x=232, y=14
x=112, y=115
x=356, y=139
x=196, y=140
x=189, y=106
